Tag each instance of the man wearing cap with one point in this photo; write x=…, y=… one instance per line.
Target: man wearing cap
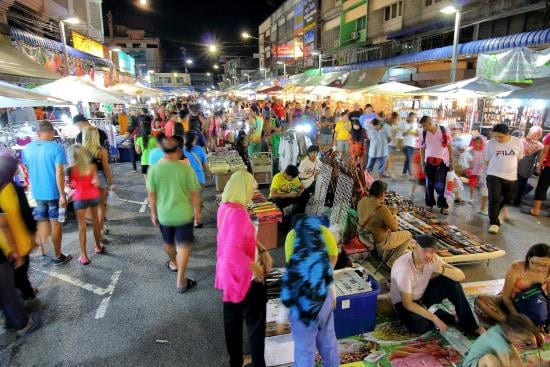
x=421, y=279
x=44, y=159
x=81, y=121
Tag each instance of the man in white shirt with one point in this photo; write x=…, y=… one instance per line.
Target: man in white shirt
x=309, y=168
x=421, y=279
x=409, y=130
x=502, y=154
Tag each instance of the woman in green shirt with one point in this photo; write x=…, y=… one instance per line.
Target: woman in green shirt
x=145, y=143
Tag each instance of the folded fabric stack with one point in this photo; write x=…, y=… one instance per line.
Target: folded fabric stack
x=264, y=211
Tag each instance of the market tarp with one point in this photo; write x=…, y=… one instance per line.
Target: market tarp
x=359, y=79
x=541, y=90
x=469, y=88
x=335, y=79
x=395, y=89
x=137, y=90
x=14, y=96
x=517, y=65
x=12, y=62
x=76, y=89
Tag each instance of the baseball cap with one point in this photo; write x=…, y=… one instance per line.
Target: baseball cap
x=79, y=118
x=426, y=241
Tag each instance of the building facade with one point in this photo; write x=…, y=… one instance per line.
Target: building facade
x=169, y=81
x=146, y=50
x=42, y=16
x=202, y=81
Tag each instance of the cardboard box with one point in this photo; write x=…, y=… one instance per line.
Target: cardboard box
x=268, y=234
x=221, y=180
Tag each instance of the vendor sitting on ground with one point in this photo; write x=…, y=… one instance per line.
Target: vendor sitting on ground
x=523, y=277
x=287, y=190
x=421, y=279
x=381, y=221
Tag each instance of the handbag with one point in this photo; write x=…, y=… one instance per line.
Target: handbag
x=533, y=303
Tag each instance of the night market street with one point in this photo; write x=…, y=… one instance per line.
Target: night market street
x=146, y=322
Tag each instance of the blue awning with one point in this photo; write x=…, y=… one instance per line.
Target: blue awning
x=423, y=27
x=535, y=38
x=34, y=40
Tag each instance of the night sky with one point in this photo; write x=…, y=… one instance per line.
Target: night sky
x=194, y=23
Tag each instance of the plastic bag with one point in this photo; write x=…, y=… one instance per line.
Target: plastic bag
x=465, y=159
x=368, y=179
x=113, y=199
x=454, y=183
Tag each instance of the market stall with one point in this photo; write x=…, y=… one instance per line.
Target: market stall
x=223, y=164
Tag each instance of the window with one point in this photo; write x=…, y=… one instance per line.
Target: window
x=136, y=45
x=361, y=23
x=431, y=2
x=394, y=10
x=179, y=80
x=167, y=80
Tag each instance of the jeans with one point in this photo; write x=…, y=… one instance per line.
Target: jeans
x=299, y=202
x=436, y=177
x=318, y=336
x=500, y=194
x=253, y=311
x=381, y=163
x=408, y=152
x=342, y=146
x=10, y=302
x=440, y=288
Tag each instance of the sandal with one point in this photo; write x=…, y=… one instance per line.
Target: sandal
x=84, y=261
x=528, y=211
x=199, y=225
x=444, y=211
x=100, y=250
x=190, y=284
x=170, y=268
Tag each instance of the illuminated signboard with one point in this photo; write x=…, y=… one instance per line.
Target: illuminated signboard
x=87, y=45
x=126, y=63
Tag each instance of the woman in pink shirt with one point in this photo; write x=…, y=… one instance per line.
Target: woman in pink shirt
x=85, y=183
x=241, y=265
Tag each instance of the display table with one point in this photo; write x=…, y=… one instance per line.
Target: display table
x=454, y=244
x=223, y=164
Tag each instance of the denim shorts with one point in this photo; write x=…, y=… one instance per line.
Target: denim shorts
x=326, y=139
x=179, y=235
x=46, y=209
x=85, y=204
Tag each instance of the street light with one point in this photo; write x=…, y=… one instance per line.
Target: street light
x=143, y=2
x=70, y=20
x=284, y=67
x=212, y=48
x=453, y=10
x=247, y=35
x=216, y=67
x=208, y=74
x=189, y=61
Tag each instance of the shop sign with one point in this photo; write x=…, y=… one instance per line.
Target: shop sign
x=299, y=18
x=87, y=45
x=518, y=65
x=126, y=63
x=283, y=51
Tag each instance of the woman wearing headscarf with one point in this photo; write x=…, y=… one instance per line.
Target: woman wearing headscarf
x=20, y=222
x=242, y=263
x=308, y=295
x=526, y=166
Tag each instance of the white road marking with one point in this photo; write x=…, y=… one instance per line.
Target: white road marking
x=144, y=205
x=102, y=309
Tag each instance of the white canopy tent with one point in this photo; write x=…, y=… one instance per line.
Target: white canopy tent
x=137, y=90
x=469, y=88
x=14, y=96
x=395, y=89
x=76, y=89
x=541, y=90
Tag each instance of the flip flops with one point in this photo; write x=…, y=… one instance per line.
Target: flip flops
x=170, y=268
x=190, y=285
x=529, y=212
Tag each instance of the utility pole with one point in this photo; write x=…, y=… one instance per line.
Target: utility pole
x=110, y=25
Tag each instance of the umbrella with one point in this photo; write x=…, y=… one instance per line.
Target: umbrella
x=469, y=88
x=76, y=89
x=14, y=96
x=540, y=90
x=388, y=89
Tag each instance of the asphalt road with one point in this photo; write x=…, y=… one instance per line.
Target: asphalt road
x=115, y=311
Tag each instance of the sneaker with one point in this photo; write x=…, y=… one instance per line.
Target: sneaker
x=493, y=229
x=33, y=324
x=62, y=260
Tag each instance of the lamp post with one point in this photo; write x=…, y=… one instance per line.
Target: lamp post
x=284, y=67
x=265, y=72
x=452, y=10
x=70, y=20
x=248, y=77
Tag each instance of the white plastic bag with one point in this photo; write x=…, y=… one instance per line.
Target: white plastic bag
x=113, y=199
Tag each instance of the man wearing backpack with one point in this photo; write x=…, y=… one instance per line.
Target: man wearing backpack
x=436, y=151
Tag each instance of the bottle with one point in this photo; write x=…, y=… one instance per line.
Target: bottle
x=61, y=217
